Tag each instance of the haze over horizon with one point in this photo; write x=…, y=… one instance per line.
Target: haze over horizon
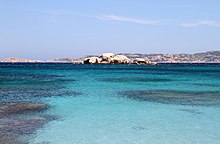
x=69, y=28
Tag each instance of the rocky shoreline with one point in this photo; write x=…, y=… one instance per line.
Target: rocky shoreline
x=127, y=58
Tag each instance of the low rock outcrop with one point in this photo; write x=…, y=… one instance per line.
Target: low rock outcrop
x=107, y=58
x=120, y=59
x=20, y=60
x=111, y=58
x=92, y=60
x=141, y=61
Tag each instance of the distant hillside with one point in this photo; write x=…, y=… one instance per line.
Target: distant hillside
x=204, y=57
x=62, y=60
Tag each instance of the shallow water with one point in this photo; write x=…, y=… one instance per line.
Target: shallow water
x=117, y=104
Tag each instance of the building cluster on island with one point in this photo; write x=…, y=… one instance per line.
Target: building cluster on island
x=127, y=58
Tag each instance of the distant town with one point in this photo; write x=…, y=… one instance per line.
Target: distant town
x=128, y=58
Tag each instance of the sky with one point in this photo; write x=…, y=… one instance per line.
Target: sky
x=47, y=29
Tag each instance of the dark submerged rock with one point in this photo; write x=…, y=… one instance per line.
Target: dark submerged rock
x=126, y=79
x=8, y=139
x=192, y=111
x=23, y=126
x=21, y=112
x=26, y=87
x=21, y=119
x=20, y=107
x=139, y=128
x=205, y=84
x=194, y=98
x=12, y=129
x=25, y=94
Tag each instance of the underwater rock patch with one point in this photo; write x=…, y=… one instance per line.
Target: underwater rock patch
x=25, y=87
x=22, y=127
x=126, y=79
x=12, y=129
x=34, y=81
x=205, y=84
x=20, y=107
x=194, y=98
x=192, y=111
x=21, y=119
x=8, y=139
x=24, y=77
x=25, y=94
x=139, y=128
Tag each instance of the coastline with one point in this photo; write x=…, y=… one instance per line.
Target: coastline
x=128, y=58
x=162, y=63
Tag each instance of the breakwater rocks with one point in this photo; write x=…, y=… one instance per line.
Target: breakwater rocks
x=111, y=58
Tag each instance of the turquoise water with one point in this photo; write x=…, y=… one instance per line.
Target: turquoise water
x=118, y=104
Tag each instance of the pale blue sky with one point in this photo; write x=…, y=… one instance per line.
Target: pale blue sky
x=46, y=29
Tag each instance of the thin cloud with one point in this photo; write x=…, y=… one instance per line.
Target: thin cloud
x=64, y=13
x=202, y=23
x=129, y=20
x=55, y=15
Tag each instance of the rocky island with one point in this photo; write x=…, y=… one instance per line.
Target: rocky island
x=128, y=58
x=21, y=60
x=111, y=58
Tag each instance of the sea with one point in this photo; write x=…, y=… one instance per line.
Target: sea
x=112, y=104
